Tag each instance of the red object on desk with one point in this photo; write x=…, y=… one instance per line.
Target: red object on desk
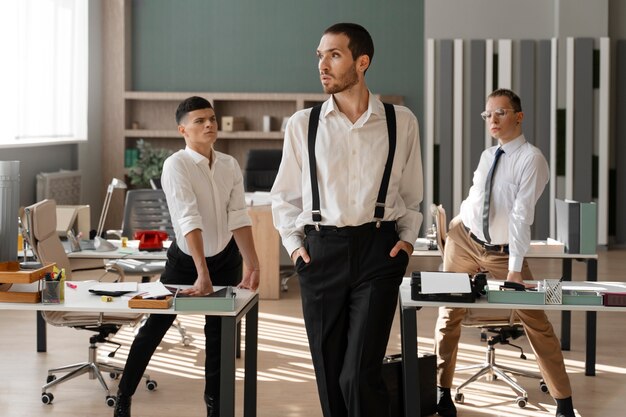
x=614, y=299
x=150, y=240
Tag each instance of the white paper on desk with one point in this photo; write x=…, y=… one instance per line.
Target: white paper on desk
x=115, y=286
x=153, y=290
x=445, y=282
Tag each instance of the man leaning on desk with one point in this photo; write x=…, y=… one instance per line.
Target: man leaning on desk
x=204, y=191
x=492, y=233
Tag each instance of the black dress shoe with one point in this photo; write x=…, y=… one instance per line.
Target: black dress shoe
x=212, y=406
x=122, y=405
x=445, y=405
x=565, y=408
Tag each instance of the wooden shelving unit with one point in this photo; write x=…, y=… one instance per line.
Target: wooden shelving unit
x=150, y=116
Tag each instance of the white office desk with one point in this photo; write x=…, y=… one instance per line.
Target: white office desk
x=246, y=305
x=408, y=331
x=566, y=268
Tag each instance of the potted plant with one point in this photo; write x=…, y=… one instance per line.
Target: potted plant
x=149, y=164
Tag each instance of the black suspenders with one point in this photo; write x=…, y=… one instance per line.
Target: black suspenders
x=379, y=211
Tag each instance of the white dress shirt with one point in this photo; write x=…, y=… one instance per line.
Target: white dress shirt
x=350, y=164
x=207, y=198
x=520, y=177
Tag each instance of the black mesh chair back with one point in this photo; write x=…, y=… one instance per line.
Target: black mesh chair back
x=261, y=169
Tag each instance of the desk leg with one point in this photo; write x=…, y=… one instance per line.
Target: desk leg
x=590, y=359
x=410, y=364
x=227, y=367
x=250, y=378
x=41, y=333
x=566, y=316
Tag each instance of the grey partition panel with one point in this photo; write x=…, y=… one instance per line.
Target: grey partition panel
x=444, y=122
x=542, y=130
x=620, y=142
x=583, y=119
x=477, y=105
x=526, y=73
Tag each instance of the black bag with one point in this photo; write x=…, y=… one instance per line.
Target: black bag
x=392, y=375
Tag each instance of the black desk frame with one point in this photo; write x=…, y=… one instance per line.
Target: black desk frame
x=230, y=347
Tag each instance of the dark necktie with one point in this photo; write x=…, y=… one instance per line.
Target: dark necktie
x=487, y=199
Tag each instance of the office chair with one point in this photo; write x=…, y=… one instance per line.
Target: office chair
x=40, y=221
x=146, y=209
x=503, y=324
x=261, y=169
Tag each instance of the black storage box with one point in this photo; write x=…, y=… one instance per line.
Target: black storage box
x=416, y=292
x=392, y=374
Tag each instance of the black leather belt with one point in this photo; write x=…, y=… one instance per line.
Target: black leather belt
x=488, y=246
x=352, y=230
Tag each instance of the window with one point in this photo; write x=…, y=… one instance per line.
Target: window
x=43, y=74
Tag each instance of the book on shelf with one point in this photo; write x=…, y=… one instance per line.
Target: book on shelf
x=577, y=226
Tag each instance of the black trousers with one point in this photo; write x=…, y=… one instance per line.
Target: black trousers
x=349, y=296
x=225, y=269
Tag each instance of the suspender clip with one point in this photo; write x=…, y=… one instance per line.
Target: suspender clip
x=378, y=224
x=317, y=226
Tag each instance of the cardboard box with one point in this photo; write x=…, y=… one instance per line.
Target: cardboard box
x=233, y=123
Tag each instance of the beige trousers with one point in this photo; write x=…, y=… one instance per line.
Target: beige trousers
x=462, y=254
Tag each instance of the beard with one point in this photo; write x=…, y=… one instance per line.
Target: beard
x=344, y=82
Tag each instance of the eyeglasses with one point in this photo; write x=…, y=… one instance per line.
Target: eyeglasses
x=497, y=112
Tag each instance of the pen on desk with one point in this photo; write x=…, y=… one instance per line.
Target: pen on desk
x=72, y=286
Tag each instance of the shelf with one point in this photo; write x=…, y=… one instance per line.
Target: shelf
x=241, y=134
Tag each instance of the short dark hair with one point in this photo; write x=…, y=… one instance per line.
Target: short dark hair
x=190, y=104
x=361, y=42
x=516, y=102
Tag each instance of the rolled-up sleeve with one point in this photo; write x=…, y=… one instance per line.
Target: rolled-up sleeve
x=237, y=210
x=411, y=186
x=181, y=200
x=286, y=193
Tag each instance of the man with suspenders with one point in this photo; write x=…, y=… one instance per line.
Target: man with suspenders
x=346, y=203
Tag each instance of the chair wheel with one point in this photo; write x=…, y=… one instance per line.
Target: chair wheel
x=114, y=375
x=521, y=402
x=47, y=398
x=543, y=387
x=187, y=341
x=459, y=398
x=50, y=378
x=151, y=385
x=111, y=400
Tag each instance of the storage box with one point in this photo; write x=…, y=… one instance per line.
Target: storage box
x=140, y=302
x=10, y=273
x=614, y=299
x=221, y=300
x=233, y=123
x=585, y=298
x=516, y=297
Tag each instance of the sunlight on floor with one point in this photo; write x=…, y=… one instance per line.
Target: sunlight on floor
x=285, y=337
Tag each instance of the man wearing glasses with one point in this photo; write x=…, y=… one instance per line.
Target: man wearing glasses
x=492, y=233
